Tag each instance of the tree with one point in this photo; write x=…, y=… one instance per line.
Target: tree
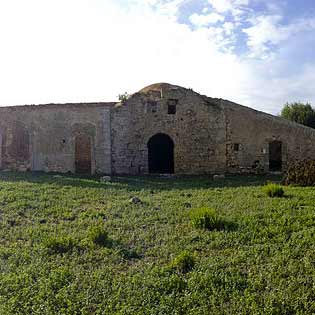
x=123, y=97
x=298, y=112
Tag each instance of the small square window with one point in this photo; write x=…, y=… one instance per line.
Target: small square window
x=236, y=147
x=171, y=106
x=171, y=109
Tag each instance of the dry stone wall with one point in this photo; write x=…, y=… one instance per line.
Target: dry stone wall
x=253, y=131
x=197, y=130
x=205, y=135
x=42, y=138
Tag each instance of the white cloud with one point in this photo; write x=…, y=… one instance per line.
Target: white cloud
x=266, y=30
x=93, y=50
x=200, y=20
x=168, y=8
x=227, y=5
x=221, y=5
x=228, y=28
x=268, y=90
x=205, y=10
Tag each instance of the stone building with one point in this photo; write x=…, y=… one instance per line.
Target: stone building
x=161, y=129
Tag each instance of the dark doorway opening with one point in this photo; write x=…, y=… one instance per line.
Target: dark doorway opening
x=161, y=154
x=82, y=154
x=19, y=148
x=275, y=156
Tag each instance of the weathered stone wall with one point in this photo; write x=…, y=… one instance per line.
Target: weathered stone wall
x=197, y=129
x=208, y=135
x=253, y=131
x=42, y=138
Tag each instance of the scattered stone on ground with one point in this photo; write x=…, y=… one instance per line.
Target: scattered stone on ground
x=135, y=200
x=187, y=205
x=167, y=175
x=12, y=222
x=105, y=179
x=221, y=176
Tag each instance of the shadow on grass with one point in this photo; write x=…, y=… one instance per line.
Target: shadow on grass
x=230, y=226
x=137, y=183
x=193, y=182
x=65, y=244
x=53, y=178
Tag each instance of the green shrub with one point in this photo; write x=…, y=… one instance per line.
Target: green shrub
x=206, y=218
x=273, y=190
x=98, y=236
x=301, y=173
x=184, y=262
x=173, y=283
x=123, y=97
x=59, y=245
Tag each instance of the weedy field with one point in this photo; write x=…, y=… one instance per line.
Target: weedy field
x=146, y=245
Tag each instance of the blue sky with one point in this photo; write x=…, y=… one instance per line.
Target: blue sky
x=259, y=53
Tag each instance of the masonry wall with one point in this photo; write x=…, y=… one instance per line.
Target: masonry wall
x=197, y=129
x=254, y=130
x=42, y=138
x=209, y=135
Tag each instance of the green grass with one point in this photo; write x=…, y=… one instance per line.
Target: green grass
x=273, y=190
x=98, y=236
x=72, y=245
x=184, y=262
x=206, y=218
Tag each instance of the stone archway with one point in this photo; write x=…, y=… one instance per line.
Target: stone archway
x=275, y=156
x=83, y=161
x=161, y=154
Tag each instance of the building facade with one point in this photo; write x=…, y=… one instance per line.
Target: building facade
x=161, y=129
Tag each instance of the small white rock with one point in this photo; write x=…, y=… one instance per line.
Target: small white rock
x=105, y=179
x=135, y=200
x=217, y=177
x=166, y=175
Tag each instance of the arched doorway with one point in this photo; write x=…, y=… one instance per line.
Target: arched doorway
x=161, y=154
x=275, y=156
x=83, y=154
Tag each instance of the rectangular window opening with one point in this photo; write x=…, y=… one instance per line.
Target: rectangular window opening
x=236, y=147
x=171, y=106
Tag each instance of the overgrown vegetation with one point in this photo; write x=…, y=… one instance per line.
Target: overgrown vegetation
x=71, y=245
x=206, y=218
x=273, y=190
x=301, y=173
x=59, y=245
x=300, y=113
x=184, y=262
x=98, y=236
x=123, y=97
